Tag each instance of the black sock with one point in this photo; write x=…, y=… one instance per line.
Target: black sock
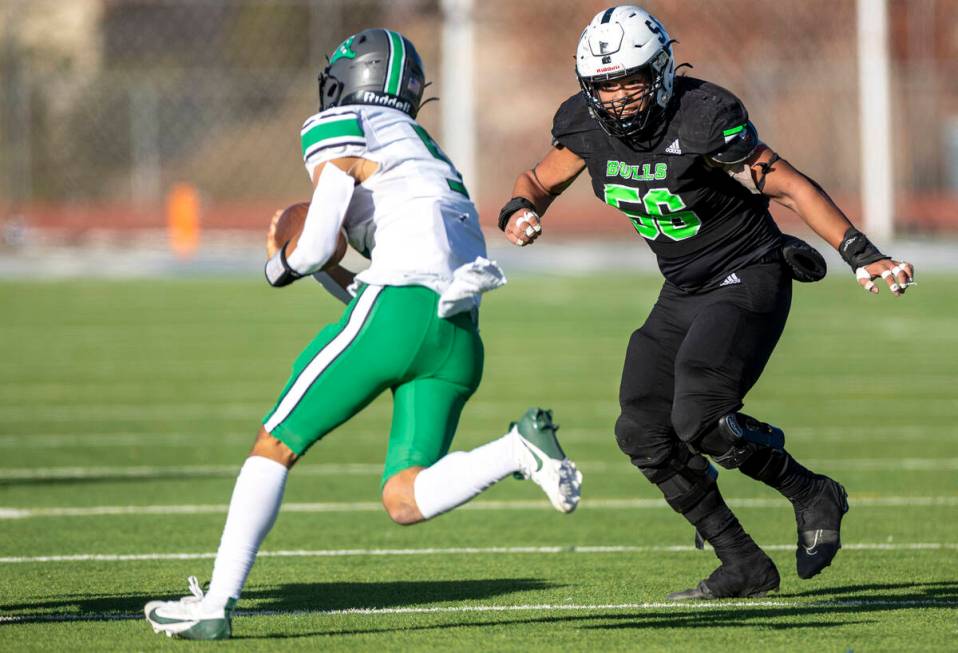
x=716, y=523
x=779, y=470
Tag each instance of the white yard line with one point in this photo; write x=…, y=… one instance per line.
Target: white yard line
x=375, y=506
x=179, y=471
x=157, y=439
x=145, y=439
x=142, y=411
x=698, y=606
x=134, y=411
x=458, y=551
x=837, y=464
x=372, y=469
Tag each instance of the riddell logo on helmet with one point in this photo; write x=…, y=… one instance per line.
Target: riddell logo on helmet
x=386, y=100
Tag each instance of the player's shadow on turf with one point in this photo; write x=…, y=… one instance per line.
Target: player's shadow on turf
x=844, y=606
x=654, y=619
x=296, y=597
x=945, y=591
x=74, y=606
x=387, y=594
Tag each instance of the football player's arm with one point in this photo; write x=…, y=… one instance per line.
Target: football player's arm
x=535, y=190
x=318, y=240
x=317, y=243
x=777, y=179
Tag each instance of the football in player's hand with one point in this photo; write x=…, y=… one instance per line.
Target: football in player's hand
x=286, y=226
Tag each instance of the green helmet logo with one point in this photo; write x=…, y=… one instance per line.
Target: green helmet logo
x=345, y=49
x=376, y=66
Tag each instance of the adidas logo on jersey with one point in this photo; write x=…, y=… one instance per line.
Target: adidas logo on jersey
x=674, y=148
x=731, y=280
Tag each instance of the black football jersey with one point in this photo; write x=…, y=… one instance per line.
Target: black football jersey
x=700, y=222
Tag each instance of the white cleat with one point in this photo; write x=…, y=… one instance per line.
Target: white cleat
x=188, y=618
x=541, y=459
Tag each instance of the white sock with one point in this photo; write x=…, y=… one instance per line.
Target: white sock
x=253, y=509
x=459, y=476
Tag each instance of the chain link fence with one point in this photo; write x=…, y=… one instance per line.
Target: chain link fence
x=107, y=104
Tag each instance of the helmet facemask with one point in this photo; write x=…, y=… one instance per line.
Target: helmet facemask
x=630, y=114
x=330, y=90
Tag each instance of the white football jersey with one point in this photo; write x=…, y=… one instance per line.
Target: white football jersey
x=413, y=218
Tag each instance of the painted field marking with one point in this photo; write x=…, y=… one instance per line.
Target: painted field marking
x=469, y=551
x=372, y=469
x=145, y=439
x=158, y=439
x=141, y=411
x=694, y=606
x=179, y=471
x=375, y=506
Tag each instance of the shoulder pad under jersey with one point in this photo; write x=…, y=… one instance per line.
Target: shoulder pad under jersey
x=333, y=128
x=713, y=121
x=573, y=126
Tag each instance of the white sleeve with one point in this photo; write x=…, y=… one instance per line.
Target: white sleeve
x=324, y=221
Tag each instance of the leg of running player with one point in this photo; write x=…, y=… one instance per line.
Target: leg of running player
x=331, y=381
x=644, y=432
x=385, y=335
x=722, y=358
x=422, y=480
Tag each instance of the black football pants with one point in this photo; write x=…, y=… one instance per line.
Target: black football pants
x=694, y=359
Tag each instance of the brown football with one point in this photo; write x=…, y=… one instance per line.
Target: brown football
x=289, y=225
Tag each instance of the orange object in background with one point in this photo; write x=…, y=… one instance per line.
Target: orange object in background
x=183, y=219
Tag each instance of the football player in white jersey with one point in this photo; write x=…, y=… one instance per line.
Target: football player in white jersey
x=410, y=325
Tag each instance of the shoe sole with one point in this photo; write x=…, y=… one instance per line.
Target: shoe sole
x=762, y=593
x=564, y=472
x=567, y=475
x=753, y=595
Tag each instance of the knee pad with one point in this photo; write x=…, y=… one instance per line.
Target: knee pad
x=694, y=418
x=647, y=445
x=737, y=437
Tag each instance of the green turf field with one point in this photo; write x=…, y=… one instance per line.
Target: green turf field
x=126, y=409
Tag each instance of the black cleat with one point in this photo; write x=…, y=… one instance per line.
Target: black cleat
x=751, y=577
x=819, y=522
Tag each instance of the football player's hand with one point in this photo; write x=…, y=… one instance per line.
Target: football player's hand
x=271, y=245
x=897, y=274
x=523, y=227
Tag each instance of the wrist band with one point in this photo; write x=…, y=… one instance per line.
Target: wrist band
x=511, y=207
x=857, y=250
x=278, y=271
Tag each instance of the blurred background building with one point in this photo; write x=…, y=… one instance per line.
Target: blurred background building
x=109, y=108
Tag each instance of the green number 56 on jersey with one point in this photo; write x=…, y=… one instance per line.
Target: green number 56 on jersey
x=663, y=212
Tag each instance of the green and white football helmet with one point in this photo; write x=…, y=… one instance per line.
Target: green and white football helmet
x=379, y=67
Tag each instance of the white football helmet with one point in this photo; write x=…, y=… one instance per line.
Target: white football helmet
x=621, y=42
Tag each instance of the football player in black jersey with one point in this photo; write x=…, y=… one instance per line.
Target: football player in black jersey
x=681, y=159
